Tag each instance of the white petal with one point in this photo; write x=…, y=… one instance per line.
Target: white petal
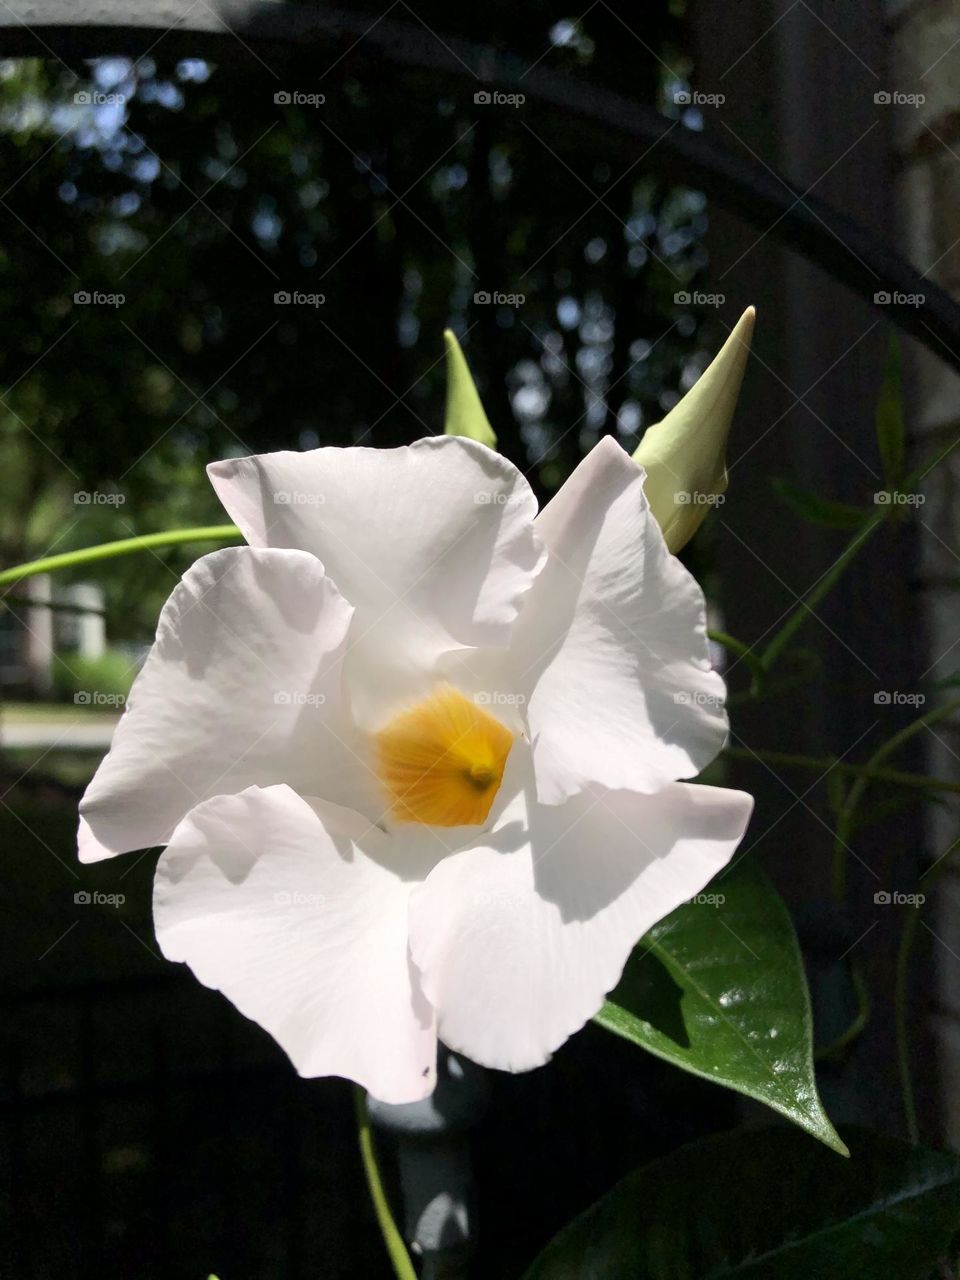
x=242, y=686
x=272, y=901
x=610, y=651
x=519, y=939
x=432, y=543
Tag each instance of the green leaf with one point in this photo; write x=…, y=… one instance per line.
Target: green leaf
x=890, y=436
x=769, y=1205
x=835, y=515
x=465, y=414
x=720, y=991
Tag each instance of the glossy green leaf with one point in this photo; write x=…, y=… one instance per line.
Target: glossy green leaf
x=718, y=988
x=465, y=414
x=835, y=515
x=769, y=1205
x=890, y=434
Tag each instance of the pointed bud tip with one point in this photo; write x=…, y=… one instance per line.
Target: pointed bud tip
x=465, y=415
x=685, y=453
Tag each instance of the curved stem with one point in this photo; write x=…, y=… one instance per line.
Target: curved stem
x=107, y=550
x=392, y=1239
x=820, y=588
x=826, y=764
x=860, y=1019
x=902, y=995
x=847, y=814
x=737, y=647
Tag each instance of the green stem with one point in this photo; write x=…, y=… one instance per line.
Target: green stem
x=396, y=1249
x=902, y=995
x=847, y=814
x=107, y=550
x=826, y=583
x=737, y=647
x=820, y=588
x=826, y=764
x=860, y=1019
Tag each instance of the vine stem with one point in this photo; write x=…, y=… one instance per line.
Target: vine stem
x=392, y=1239
x=847, y=814
x=824, y=764
x=902, y=994
x=821, y=588
x=826, y=582
x=108, y=550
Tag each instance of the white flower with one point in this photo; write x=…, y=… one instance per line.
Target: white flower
x=414, y=755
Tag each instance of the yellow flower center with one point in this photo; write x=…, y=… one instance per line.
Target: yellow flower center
x=442, y=761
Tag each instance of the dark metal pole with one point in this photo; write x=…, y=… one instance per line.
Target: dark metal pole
x=847, y=251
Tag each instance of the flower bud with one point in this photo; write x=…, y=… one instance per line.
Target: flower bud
x=465, y=414
x=685, y=455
